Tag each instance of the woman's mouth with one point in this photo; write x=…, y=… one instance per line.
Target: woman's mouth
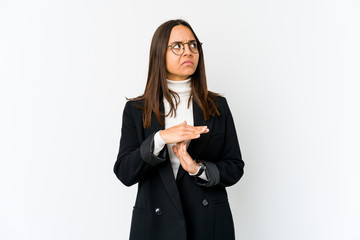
x=188, y=63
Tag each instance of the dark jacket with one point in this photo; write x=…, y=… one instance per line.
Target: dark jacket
x=185, y=208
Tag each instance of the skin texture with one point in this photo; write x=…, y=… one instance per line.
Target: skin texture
x=182, y=132
x=178, y=134
x=186, y=161
x=178, y=70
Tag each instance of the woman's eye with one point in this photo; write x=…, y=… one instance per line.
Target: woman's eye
x=193, y=45
x=176, y=46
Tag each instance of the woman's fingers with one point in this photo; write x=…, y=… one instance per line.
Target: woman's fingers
x=196, y=130
x=175, y=150
x=192, y=134
x=186, y=161
x=179, y=149
x=183, y=151
x=178, y=146
x=182, y=132
x=188, y=136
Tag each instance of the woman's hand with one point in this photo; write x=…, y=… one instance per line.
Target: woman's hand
x=182, y=132
x=187, y=163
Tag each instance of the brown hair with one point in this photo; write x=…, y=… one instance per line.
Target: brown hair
x=156, y=86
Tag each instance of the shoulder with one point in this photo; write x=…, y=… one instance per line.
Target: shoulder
x=221, y=103
x=220, y=100
x=133, y=108
x=134, y=104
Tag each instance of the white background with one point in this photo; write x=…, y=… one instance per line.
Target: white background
x=290, y=72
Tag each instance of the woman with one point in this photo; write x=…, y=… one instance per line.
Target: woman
x=178, y=142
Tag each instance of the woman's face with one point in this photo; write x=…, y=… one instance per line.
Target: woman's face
x=181, y=67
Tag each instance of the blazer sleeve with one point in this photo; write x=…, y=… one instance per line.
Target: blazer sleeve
x=229, y=169
x=135, y=158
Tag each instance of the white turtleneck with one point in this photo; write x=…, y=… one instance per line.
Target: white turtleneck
x=183, y=113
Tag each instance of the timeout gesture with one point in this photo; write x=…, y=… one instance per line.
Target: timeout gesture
x=182, y=132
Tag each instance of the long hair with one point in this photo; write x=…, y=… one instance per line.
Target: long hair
x=156, y=86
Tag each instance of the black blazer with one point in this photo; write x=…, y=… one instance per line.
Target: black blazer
x=186, y=207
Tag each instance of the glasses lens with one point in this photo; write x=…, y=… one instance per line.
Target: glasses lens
x=194, y=47
x=177, y=48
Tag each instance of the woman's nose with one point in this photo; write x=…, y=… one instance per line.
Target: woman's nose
x=187, y=49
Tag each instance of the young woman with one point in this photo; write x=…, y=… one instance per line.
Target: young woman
x=178, y=142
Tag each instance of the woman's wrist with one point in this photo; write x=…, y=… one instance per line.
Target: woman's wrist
x=200, y=169
x=161, y=135
x=196, y=170
x=160, y=138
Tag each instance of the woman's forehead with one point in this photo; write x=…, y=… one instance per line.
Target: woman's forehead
x=181, y=33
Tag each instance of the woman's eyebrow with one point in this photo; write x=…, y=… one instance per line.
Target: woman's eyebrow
x=193, y=40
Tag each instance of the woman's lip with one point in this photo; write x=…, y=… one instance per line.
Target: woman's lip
x=188, y=63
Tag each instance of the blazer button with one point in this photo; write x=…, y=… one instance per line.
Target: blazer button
x=158, y=211
x=205, y=202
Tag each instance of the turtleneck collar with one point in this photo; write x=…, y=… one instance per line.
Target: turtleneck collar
x=180, y=87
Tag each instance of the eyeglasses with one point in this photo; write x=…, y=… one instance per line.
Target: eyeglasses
x=178, y=48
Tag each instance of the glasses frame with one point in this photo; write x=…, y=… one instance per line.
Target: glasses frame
x=183, y=49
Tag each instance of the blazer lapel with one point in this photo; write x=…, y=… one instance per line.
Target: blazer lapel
x=165, y=171
x=168, y=179
x=155, y=125
x=197, y=145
